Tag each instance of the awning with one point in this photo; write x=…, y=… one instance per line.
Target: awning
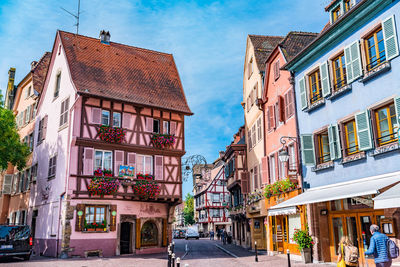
x=355, y=188
x=282, y=211
x=388, y=199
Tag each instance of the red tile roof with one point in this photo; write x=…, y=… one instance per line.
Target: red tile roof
x=123, y=72
x=263, y=47
x=39, y=72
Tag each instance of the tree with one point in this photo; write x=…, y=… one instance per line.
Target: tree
x=188, y=210
x=12, y=150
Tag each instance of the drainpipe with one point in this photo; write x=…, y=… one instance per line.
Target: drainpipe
x=64, y=255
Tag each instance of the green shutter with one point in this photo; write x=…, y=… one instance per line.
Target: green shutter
x=390, y=38
x=356, y=59
x=397, y=108
x=325, y=82
x=364, y=133
x=334, y=142
x=349, y=69
x=307, y=149
x=303, y=93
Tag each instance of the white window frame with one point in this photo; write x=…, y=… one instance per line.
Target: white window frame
x=144, y=163
x=64, y=113
x=259, y=129
x=108, y=119
x=272, y=167
x=50, y=174
x=102, y=159
x=113, y=119
x=57, y=85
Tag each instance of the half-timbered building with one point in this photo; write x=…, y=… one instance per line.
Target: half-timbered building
x=109, y=142
x=211, y=201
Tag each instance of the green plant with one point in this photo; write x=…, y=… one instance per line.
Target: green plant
x=279, y=187
x=303, y=238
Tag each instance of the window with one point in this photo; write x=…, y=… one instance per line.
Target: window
x=259, y=129
x=105, y=117
x=156, y=126
x=149, y=234
x=339, y=71
x=336, y=13
x=250, y=143
x=276, y=70
x=28, y=92
x=144, y=164
x=254, y=95
x=386, y=124
x=253, y=135
x=250, y=67
x=272, y=171
x=64, y=112
x=375, y=49
x=116, y=119
x=215, y=198
x=255, y=177
x=166, y=127
x=347, y=5
x=282, y=168
x=289, y=104
x=323, y=148
x=315, y=86
x=292, y=158
x=52, y=166
x=30, y=141
x=351, y=137
x=57, y=88
x=103, y=160
x=95, y=214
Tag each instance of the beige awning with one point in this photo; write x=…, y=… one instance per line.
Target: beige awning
x=282, y=211
x=388, y=199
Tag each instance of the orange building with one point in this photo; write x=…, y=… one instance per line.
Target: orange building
x=14, y=202
x=281, y=138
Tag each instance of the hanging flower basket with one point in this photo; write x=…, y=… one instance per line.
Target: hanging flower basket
x=144, y=176
x=146, y=189
x=111, y=134
x=103, y=172
x=100, y=186
x=279, y=187
x=162, y=140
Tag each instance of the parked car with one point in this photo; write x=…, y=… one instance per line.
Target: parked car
x=15, y=241
x=191, y=233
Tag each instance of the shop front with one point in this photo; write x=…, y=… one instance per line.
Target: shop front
x=283, y=222
x=257, y=215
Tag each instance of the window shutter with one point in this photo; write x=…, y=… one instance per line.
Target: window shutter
x=273, y=116
x=397, y=108
x=303, y=93
x=245, y=182
x=390, y=38
x=264, y=169
x=349, y=68
x=307, y=149
x=44, y=129
x=364, y=133
x=291, y=101
x=325, y=82
x=138, y=233
x=96, y=115
x=7, y=183
x=281, y=104
x=149, y=125
x=132, y=159
x=139, y=164
x=126, y=120
x=79, y=220
x=287, y=106
x=119, y=160
x=356, y=59
x=255, y=175
x=28, y=114
x=172, y=128
x=334, y=142
x=113, y=218
x=268, y=120
x=88, y=161
x=158, y=167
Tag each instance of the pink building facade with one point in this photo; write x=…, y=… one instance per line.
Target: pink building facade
x=92, y=85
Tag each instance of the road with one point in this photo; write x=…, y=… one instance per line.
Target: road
x=199, y=253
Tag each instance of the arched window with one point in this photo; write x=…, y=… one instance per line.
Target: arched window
x=149, y=234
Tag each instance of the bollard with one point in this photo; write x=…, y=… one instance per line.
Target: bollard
x=173, y=246
x=186, y=265
x=288, y=257
x=178, y=262
x=173, y=260
x=255, y=247
x=169, y=258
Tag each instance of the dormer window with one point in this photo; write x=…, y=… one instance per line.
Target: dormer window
x=336, y=13
x=347, y=5
x=340, y=8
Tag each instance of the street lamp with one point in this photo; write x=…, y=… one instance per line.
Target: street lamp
x=283, y=156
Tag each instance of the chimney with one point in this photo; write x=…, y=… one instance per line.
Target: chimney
x=33, y=64
x=105, y=37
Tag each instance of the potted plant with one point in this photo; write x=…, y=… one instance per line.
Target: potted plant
x=111, y=134
x=144, y=176
x=162, y=140
x=146, y=188
x=107, y=173
x=304, y=242
x=103, y=186
x=98, y=172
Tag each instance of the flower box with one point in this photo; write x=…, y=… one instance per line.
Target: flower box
x=111, y=134
x=144, y=176
x=163, y=140
x=279, y=187
x=146, y=189
x=103, y=186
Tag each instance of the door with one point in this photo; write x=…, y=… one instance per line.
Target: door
x=365, y=221
x=279, y=233
x=337, y=231
x=125, y=238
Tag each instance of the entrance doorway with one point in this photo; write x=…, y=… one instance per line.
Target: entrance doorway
x=126, y=238
x=355, y=226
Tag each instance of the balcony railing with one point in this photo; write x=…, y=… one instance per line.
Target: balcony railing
x=386, y=139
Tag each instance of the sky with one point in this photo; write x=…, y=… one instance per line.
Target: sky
x=206, y=38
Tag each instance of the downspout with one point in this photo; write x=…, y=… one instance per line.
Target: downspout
x=66, y=176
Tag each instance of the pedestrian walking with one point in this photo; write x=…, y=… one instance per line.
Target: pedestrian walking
x=211, y=235
x=219, y=234
x=224, y=237
x=378, y=247
x=348, y=254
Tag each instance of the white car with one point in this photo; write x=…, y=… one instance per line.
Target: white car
x=191, y=233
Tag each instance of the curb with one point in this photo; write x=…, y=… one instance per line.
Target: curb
x=227, y=251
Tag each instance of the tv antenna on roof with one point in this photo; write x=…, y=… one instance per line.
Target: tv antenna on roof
x=76, y=16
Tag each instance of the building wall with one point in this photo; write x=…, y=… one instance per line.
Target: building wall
x=254, y=154
x=361, y=97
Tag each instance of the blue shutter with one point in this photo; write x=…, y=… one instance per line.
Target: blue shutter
x=325, y=82
x=356, y=59
x=303, y=93
x=307, y=149
x=364, y=133
x=334, y=142
x=397, y=108
x=390, y=38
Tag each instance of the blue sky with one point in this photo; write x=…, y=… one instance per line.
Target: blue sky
x=207, y=39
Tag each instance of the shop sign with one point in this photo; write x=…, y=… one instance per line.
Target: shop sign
x=363, y=200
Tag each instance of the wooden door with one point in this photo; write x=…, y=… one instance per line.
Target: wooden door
x=336, y=232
